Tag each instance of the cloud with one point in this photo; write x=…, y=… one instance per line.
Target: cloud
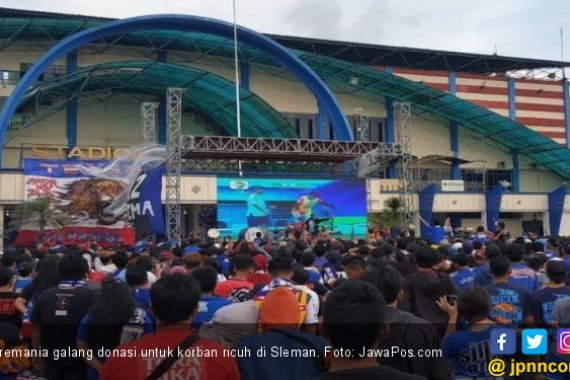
x=529, y=28
x=318, y=18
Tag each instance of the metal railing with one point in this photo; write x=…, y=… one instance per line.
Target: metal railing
x=478, y=180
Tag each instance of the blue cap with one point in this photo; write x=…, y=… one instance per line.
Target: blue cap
x=190, y=249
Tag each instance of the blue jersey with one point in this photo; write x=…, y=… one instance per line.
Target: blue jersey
x=544, y=302
x=437, y=234
x=510, y=304
x=468, y=353
x=21, y=283
x=523, y=276
x=314, y=276
x=464, y=278
x=224, y=263
x=207, y=306
x=483, y=276
x=142, y=300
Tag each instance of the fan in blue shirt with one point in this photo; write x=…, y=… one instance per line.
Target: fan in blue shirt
x=436, y=231
x=136, y=278
x=468, y=351
x=521, y=275
x=511, y=305
x=208, y=304
x=464, y=277
x=24, y=276
x=483, y=276
x=556, y=289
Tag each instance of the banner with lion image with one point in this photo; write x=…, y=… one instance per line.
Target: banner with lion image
x=98, y=208
x=83, y=199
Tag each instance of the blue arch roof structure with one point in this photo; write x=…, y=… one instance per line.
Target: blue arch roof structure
x=246, y=36
x=372, y=84
x=211, y=94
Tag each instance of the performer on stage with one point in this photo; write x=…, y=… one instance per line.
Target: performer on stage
x=303, y=209
x=257, y=210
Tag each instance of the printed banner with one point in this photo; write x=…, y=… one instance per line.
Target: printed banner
x=101, y=203
x=85, y=200
x=144, y=205
x=71, y=235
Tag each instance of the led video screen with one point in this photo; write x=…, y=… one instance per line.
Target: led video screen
x=337, y=204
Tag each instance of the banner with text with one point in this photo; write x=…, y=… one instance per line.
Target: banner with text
x=96, y=202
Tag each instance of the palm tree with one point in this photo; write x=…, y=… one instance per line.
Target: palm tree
x=38, y=212
x=391, y=216
x=393, y=204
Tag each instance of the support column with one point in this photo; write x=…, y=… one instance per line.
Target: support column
x=71, y=107
x=566, y=92
x=455, y=219
x=426, y=197
x=515, y=177
x=453, y=131
x=390, y=129
x=162, y=123
x=2, y=228
x=162, y=56
x=244, y=75
x=493, y=206
x=173, y=160
x=556, y=209
x=322, y=124
x=512, y=99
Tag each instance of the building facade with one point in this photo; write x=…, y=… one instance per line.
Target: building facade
x=87, y=104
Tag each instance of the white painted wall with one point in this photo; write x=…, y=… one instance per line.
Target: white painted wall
x=538, y=181
x=524, y=203
x=474, y=148
x=458, y=202
x=429, y=137
x=15, y=54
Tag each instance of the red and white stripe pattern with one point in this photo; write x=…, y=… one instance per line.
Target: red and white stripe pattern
x=485, y=91
x=540, y=106
x=435, y=79
x=539, y=103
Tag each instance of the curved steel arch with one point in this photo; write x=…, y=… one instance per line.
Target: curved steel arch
x=182, y=23
x=209, y=93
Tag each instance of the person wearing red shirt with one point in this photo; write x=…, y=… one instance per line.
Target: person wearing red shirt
x=237, y=287
x=260, y=275
x=174, y=300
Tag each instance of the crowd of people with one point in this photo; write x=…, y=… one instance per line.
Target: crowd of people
x=294, y=305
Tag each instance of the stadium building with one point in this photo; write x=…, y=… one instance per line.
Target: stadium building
x=478, y=122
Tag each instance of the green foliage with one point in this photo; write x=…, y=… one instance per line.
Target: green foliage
x=38, y=212
x=388, y=218
x=392, y=204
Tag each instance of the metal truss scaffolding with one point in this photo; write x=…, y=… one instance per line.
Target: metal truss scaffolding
x=404, y=140
x=221, y=147
x=173, y=160
x=148, y=117
x=362, y=125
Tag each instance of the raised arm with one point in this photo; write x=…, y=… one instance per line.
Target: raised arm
x=423, y=220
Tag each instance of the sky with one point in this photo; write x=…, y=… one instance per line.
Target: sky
x=521, y=28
